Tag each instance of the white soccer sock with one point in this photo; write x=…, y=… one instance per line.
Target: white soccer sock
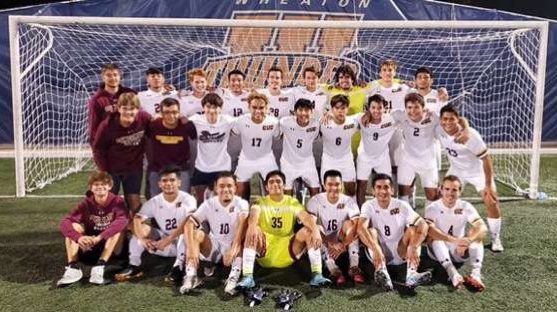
x=329, y=262
x=136, y=250
x=180, y=252
x=315, y=260
x=236, y=267
x=405, y=198
x=476, y=251
x=494, y=227
x=441, y=252
x=354, y=253
x=248, y=261
x=191, y=270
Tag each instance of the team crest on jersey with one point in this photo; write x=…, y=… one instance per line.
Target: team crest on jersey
x=426, y=121
x=458, y=211
x=268, y=127
x=395, y=211
x=311, y=129
x=283, y=99
x=430, y=100
x=287, y=48
x=386, y=125
x=397, y=90
x=348, y=127
x=341, y=206
x=179, y=204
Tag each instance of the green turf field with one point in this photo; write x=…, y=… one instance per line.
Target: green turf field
x=32, y=256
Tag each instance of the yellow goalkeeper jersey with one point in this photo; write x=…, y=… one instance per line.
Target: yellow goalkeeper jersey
x=278, y=218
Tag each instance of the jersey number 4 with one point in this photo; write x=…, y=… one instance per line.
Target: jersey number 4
x=276, y=222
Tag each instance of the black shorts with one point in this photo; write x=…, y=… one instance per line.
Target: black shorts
x=131, y=182
x=91, y=257
x=204, y=178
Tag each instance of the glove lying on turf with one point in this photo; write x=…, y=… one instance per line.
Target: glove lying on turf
x=255, y=296
x=286, y=298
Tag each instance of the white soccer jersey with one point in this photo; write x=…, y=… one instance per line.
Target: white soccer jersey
x=453, y=220
x=464, y=158
x=392, y=221
x=256, y=138
x=318, y=96
x=150, y=100
x=189, y=104
x=222, y=221
x=298, y=140
x=212, y=140
x=279, y=105
x=433, y=102
x=394, y=95
x=376, y=137
x=331, y=216
x=234, y=105
x=169, y=215
x=418, y=139
x=337, y=139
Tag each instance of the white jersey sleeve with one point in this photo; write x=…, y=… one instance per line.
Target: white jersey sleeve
x=279, y=105
x=150, y=100
x=464, y=158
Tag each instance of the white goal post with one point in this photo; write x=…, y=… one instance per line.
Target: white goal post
x=494, y=71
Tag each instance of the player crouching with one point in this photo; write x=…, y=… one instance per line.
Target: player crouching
x=93, y=231
x=168, y=210
x=393, y=233
x=226, y=216
x=447, y=219
x=270, y=234
x=337, y=216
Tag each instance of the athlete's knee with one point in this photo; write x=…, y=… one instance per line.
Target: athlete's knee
x=79, y=228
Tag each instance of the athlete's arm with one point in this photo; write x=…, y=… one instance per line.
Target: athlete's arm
x=236, y=247
x=309, y=222
x=371, y=241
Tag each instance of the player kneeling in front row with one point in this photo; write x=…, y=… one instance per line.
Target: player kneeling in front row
x=447, y=243
x=93, y=231
x=337, y=216
x=270, y=234
x=168, y=210
x=393, y=234
x=226, y=216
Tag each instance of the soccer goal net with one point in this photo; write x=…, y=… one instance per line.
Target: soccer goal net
x=494, y=72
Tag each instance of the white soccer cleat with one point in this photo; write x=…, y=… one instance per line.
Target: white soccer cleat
x=496, y=245
x=70, y=276
x=190, y=282
x=230, y=286
x=415, y=279
x=97, y=275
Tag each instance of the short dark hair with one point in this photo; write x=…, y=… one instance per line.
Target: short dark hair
x=167, y=102
x=236, y=72
x=423, y=70
x=275, y=69
x=169, y=169
x=226, y=174
x=343, y=99
x=275, y=173
x=449, y=108
x=381, y=176
x=213, y=99
x=311, y=69
x=154, y=71
x=453, y=178
x=304, y=103
x=331, y=174
x=110, y=66
x=345, y=70
x=414, y=97
x=378, y=98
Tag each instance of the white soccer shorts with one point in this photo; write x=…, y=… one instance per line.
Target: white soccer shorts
x=407, y=172
x=364, y=165
x=307, y=171
x=345, y=165
x=247, y=168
